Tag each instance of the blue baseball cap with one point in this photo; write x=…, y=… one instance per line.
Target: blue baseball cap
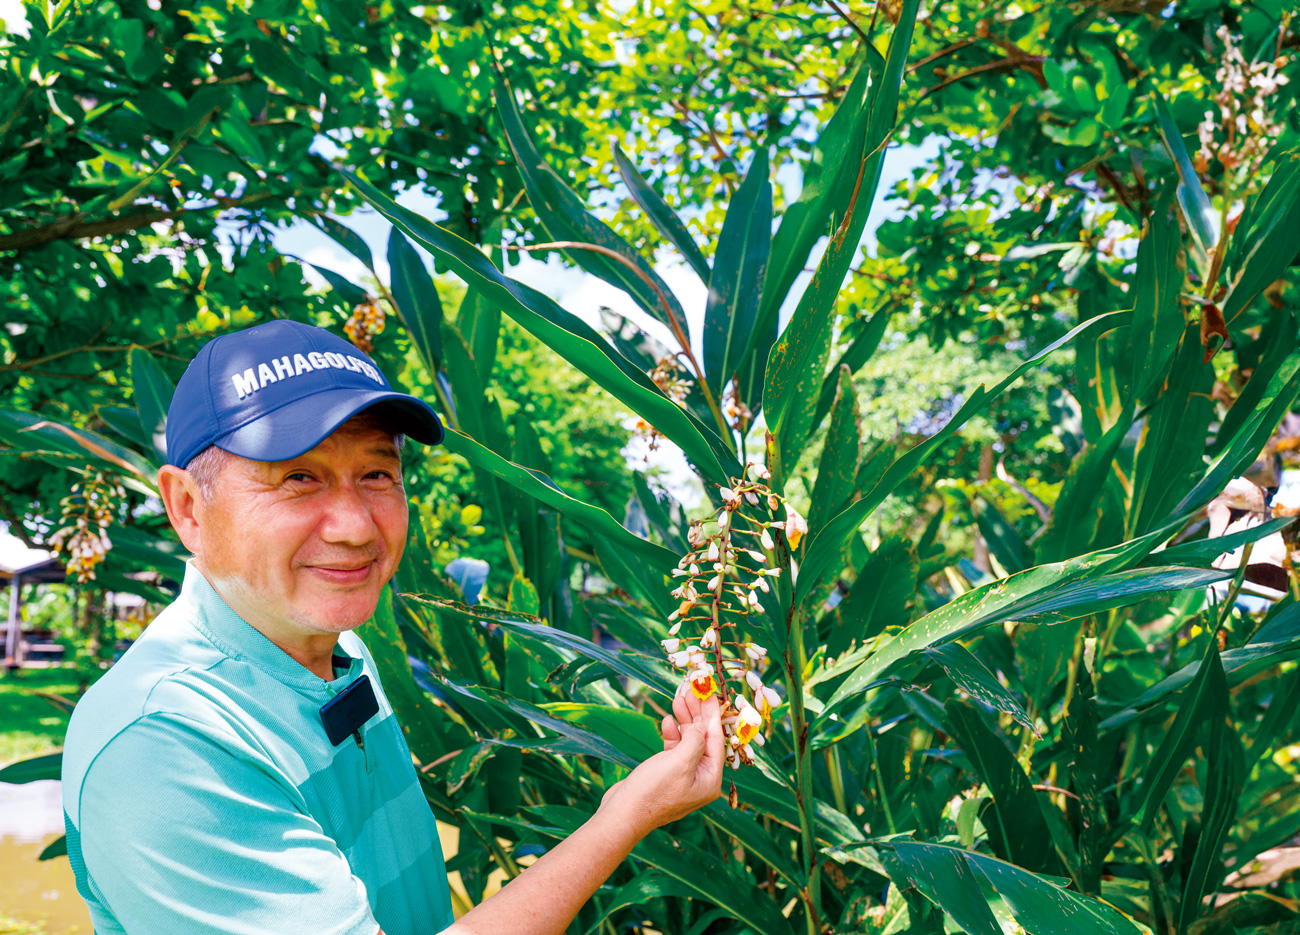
x=276, y=390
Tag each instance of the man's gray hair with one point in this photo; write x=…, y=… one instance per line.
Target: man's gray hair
x=206, y=466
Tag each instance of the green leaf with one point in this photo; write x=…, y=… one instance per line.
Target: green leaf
x=566, y=334
x=1245, y=444
x=943, y=875
x=152, y=390
x=858, y=130
x=416, y=299
x=1157, y=318
x=858, y=353
x=541, y=487
x=1001, y=537
x=645, y=886
x=1276, y=642
x=1224, y=774
x=64, y=446
x=974, y=679
x=125, y=422
x=56, y=848
x=1192, y=199
x=878, y=597
x=566, y=218
x=348, y=294
x=33, y=770
x=1040, y=906
x=838, y=468
x=627, y=664
x=1264, y=242
x=826, y=544
x=1017, y=830
x=1202, y=552
x=346, y=238
x=236, y=133
x=662, y=216
x=706, y=875
x=737, y=280
x=1205, y=700
x=429, y=731
x=523, y=597
x=1064, y=590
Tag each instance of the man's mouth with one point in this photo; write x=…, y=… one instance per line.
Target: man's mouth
x=344, y=572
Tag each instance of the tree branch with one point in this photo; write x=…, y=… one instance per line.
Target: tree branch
x=79, y=226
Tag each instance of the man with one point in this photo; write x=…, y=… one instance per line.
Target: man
x=209, y=784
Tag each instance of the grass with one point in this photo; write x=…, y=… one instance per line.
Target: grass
x=33, y=725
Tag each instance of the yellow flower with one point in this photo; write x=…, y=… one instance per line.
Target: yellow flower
x=703, y=683
x=748, y=724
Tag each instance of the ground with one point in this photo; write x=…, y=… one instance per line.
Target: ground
x=34, y=724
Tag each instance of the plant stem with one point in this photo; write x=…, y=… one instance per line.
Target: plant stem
x=795, y=657
x=880, y=782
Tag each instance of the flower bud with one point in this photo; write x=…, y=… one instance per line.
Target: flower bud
x=765, y=538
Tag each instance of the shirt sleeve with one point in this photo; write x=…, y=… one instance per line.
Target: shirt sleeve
x=181, y=832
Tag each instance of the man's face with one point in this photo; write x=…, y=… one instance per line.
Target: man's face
x=303, y=547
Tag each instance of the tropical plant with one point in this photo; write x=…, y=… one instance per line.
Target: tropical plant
x=1055, y=794
x=1088, y=738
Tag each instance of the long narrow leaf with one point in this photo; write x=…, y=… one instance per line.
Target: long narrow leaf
x=662, y=216
x=566, y=218
x=566, y=334
x=825, y=545
x=1191, y=196
x=416, y=298
x=152, y=390
x=538, y=485
x=737, y=280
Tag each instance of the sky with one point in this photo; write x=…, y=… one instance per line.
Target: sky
x=584, y=295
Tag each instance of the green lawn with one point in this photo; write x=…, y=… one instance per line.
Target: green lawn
x=33, y=725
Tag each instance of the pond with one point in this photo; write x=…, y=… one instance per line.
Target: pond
x=31, y=890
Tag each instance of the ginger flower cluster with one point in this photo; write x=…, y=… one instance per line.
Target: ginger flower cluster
x=728, y=566
x=366, y=321
x=88, y=511
x=670, y=377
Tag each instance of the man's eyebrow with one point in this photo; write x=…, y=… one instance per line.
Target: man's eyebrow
x=386, y=451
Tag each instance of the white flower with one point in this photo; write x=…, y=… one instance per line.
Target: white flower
x=755, y=683
x=713, y=551
x=713, y=583
x=671, y=645
x=765, y=538
x=709, y=639
x=678, y=572
x=722, y=519
x=768, y=700
x=751, y=497
x=679, y=659
x=748, y=724
x=695, y=569
x=795, y=527
x=754, y=651
x=672, y=631
x=757, y=556
x=726, y=493
x=761, y=583
x=752, y=600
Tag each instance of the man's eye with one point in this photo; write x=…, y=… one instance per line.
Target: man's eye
x=298, y=476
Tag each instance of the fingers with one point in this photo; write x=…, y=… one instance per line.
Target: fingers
x=680, y=710
x=671, y=732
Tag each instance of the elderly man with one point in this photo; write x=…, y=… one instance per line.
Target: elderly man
x=240, y=770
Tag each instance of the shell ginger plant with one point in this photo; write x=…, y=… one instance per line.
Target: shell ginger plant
x=724, y=571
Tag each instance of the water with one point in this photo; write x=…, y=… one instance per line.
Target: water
x=31, y=890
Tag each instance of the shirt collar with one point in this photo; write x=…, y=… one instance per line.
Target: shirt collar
x=239, y=639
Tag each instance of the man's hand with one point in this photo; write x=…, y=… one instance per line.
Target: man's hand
x=686, y=776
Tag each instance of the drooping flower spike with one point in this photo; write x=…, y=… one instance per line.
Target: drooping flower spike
x=718, y=583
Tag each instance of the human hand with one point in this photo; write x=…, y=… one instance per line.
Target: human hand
x=688, y=773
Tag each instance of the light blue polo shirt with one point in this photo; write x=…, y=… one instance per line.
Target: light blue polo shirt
x=201, y=794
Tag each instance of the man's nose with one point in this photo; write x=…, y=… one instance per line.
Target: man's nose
x=348, y=519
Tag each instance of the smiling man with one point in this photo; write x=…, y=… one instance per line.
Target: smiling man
x=240, y=770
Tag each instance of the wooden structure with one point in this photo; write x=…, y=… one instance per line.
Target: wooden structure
x=21, y=566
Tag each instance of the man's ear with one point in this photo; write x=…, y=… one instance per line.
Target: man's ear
x=180, y=494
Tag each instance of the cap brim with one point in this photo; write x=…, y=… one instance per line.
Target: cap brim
x=301, y=425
